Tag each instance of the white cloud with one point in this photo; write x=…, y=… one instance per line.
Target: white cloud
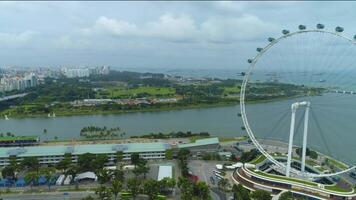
x=182, y=28
x=246, y=27
x=68, y=42
x=171, y=27
x=116, y=27
x=17, y=38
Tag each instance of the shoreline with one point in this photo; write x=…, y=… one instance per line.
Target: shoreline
x=168, y=108
x=118, y=112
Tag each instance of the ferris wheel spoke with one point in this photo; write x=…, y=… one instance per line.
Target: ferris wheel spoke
x=310, y=59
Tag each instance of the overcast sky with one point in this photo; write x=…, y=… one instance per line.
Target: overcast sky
x=154, y=34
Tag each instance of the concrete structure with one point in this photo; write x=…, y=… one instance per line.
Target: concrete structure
x=208, y=145
x=294, y=108
x=164, y=171
x=275, y=184
x=54, y=154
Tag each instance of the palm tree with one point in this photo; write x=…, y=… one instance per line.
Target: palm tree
x=116, y=187
x=103, y=176
x=103, y=193
x=32, y=178
x=47, y=173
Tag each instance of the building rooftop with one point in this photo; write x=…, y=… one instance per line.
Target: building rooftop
x=164, y=171
x=82, y=149
x=201, y=142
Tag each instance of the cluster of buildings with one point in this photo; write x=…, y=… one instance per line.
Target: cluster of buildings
x=136, y=101
x=18, y=82
x=85, y=71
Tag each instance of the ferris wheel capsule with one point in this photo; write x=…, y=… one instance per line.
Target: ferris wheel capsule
x=285, y=32
x=320, y=26
x=302, y=27
x=249, y=60
x=339, y=29
x=259, y=49
x=271, y=39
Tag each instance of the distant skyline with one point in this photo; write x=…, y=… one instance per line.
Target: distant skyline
x=172, y=35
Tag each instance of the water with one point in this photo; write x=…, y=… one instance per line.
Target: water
x=336, y=137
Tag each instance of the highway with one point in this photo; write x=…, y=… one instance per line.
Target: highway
x=48, y=196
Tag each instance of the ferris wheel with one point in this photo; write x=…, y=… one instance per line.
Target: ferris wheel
x=314, y=68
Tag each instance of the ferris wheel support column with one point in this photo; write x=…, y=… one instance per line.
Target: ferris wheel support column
x=305, y=135
x=291, y=136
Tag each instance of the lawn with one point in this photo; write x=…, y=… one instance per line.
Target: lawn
x=231, y=90
x=257, y=160
x=124, y=92
x=336, y=188
x=338, y=164
x=285, y=178
x=327, y=187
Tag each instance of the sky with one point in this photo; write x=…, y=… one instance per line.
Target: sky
x=169, y=35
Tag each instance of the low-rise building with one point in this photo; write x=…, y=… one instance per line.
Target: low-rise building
x=54, y=154
x=201, y=146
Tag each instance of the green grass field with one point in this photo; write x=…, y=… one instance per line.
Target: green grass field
x=124, y=92
x=334, y=188
x=285, y=178
x=257, y=160
x=231, y=90
x=338, y=164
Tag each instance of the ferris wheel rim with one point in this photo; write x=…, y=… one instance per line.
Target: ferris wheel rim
x=242, y=102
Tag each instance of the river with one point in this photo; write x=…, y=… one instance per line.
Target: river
x=331, y=127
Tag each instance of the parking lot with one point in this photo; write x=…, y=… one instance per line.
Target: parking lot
x=204, y=171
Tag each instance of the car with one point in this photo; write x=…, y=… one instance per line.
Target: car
x=212, y=180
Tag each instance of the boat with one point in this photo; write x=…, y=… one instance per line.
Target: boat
x=6, y=118
x=49, y=115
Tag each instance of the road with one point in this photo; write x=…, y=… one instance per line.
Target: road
x=48, y=196
x=204, y=170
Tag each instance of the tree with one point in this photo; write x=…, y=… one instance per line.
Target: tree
x=167, y=183
x=85, y=162
x=141, y=168
x=135, y=158
x=201, y=190
x=134, y=186
x=261, y=195
x=151, y=188
x=103, y=193
x=8, y=172
x=240, y=193
x=88, y=198
x=224, y=184
x=32, y=178
x=119, y=156
x=99, y=162
x=30, y=163
x=169, y=154
x=73, y=170
x=118, y=174
x=286, y=196
x=64, y=164
x=47, y=173
x=183, y=155
x=186, y=188
x=116, y=187
x=104, y=176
